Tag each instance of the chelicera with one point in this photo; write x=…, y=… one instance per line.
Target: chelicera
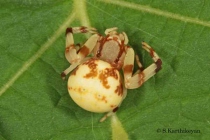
x=95, y=83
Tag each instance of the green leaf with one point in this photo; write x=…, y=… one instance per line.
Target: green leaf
x=34, y=101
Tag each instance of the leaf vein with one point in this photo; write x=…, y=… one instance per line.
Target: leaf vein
x=159, y=12
x=38, y=54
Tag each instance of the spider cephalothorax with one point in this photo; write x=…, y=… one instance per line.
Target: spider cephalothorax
x=112, y=48
x=95, y=83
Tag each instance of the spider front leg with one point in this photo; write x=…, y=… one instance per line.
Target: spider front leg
x=73, y=53
x=136, y=80
x=113, y=31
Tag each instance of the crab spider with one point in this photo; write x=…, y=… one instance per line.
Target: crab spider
x=95, y=83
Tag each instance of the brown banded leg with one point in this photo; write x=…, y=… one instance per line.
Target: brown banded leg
x=128, y=66
x=113, y=31
x=136, y=80
x=71, y=49
x=154, y=56
x=139, y=65
x=75, y=55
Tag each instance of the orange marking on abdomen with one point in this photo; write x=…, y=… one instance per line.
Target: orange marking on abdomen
x=99, y=98
x=112, y=106
x=108, y=72
x=78, y=90
x=69, y=88
x=93, y=68
x=119, y=90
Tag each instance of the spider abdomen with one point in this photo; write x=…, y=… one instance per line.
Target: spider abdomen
x=96, y=86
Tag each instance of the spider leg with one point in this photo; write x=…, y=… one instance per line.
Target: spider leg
x=71, y=52
x=136, y=80
x=111, y=31
x=139, y=64
x=128, y=64
x=75, y=54
x=72, y=67
x=107, y=115
x=115, y=109
x=125, y=38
